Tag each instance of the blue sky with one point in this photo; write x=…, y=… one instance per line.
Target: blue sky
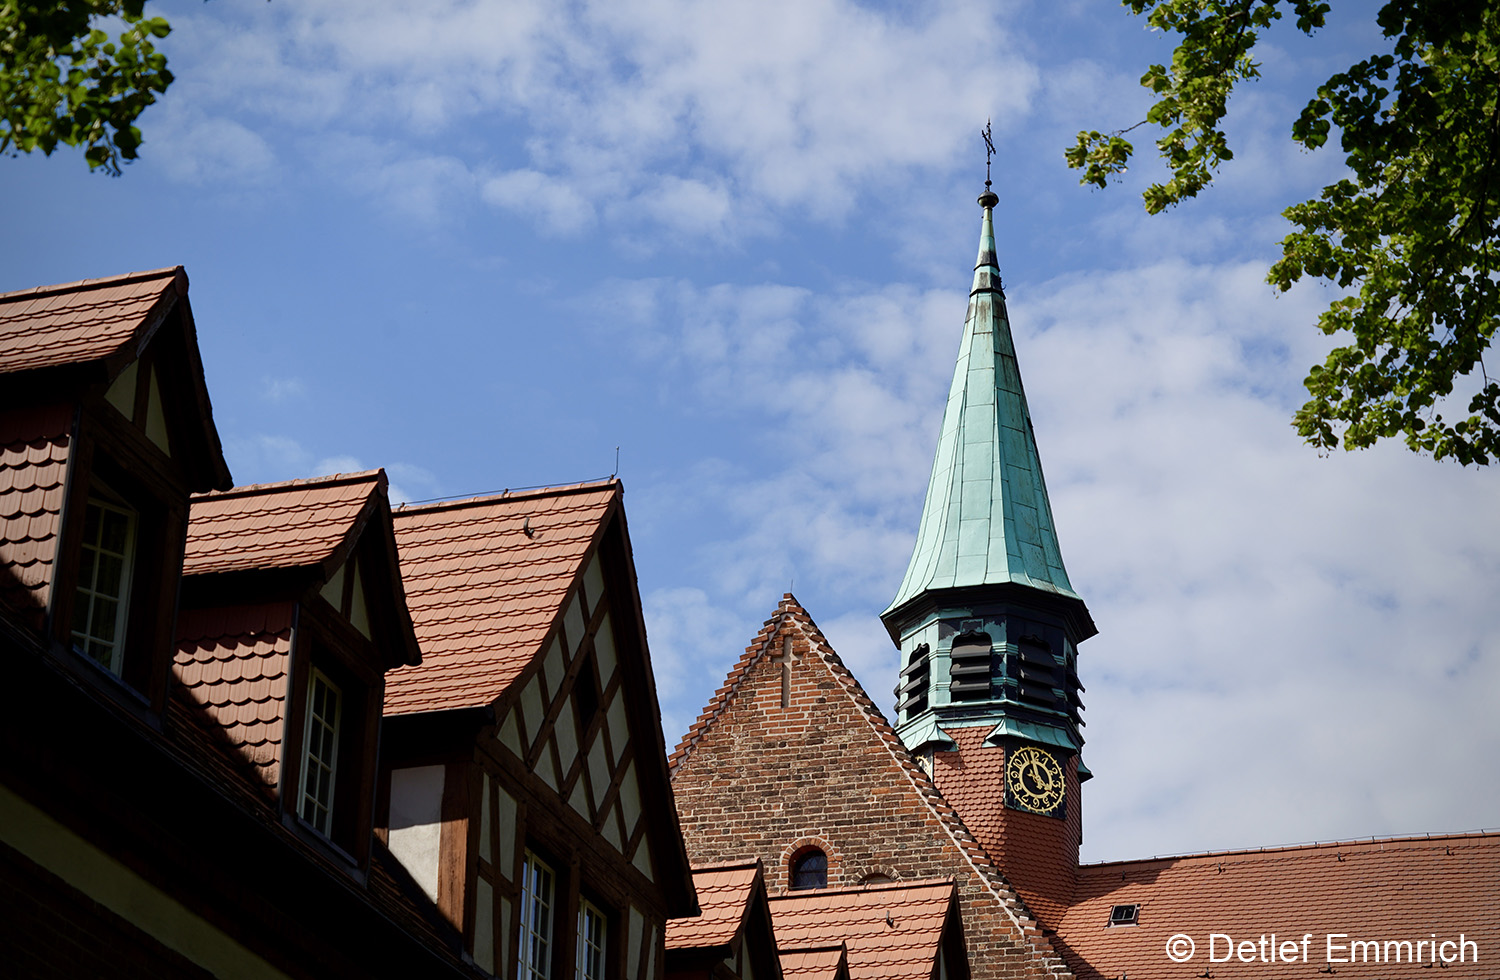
x=484, y=244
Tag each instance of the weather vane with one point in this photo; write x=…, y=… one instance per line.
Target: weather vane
x=989, y=151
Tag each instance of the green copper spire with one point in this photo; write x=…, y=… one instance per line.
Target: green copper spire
x=987, y=520
x=986, y=619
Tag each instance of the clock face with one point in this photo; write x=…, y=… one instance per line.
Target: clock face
x=1034, y=780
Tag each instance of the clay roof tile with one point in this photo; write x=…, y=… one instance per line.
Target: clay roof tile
x=468, y=565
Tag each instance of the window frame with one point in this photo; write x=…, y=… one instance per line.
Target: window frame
x=589, y=912
x=316, y=676
x=795, y=868
x=85, y=596
x=528, y=966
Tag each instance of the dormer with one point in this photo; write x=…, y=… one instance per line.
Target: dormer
x=292, y=613
x=105, y=430
x=732, y=937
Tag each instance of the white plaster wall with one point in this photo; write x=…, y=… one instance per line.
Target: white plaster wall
x=416, y=823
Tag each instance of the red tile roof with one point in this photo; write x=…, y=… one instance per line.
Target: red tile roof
x=232, y=664
x=1394, y=889
x=815, y=963
x=34, y=446
x=485, y=580
x=295, y=524
x=892, y=930
x=82, y=321
x=724, y=894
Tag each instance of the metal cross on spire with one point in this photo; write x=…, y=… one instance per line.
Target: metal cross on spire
x=989, y=151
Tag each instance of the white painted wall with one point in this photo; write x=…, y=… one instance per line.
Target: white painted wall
x=416, y=823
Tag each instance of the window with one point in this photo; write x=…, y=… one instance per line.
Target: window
x=535, y=959
x=810, y=869
x=592, y=929
x=320, y=752
x=1124, y=915
x=99, y=609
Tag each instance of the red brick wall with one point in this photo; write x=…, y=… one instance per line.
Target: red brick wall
x=754, y=779
x=1037, y=854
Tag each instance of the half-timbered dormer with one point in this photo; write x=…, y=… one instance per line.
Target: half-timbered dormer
x=524, y=781
x=105, y=428
x=292, y=612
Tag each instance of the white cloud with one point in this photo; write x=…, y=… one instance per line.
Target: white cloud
x=794, y=106
x=1280, y=634
x=209, y=150
x=277, y=390
x=555, y=204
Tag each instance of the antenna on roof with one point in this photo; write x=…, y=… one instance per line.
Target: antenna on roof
x=989, y=151
x=617, y=464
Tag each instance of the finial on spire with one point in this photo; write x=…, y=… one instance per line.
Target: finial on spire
x=988, y=199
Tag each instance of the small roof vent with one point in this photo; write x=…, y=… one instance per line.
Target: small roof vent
x=1125, y=915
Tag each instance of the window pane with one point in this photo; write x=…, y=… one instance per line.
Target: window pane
x=103, y=583
x=320, y=753
x=591, y=933
x=535, y=961
x=115, y=532
x=110, y=572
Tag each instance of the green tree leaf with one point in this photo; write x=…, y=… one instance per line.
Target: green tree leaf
x=65, y=81
x=1413, y=231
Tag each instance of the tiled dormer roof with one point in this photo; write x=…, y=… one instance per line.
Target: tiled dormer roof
x=83, y=321
x=296, y=524
x=892, y=931
x=815, y=963
x=724, y=892
x=1391, y=889
x=485, y=579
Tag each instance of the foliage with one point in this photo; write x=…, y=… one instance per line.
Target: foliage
x=1410, y=235
x=63, y=80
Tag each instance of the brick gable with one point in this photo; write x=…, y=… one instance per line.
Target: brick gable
x=792, y=751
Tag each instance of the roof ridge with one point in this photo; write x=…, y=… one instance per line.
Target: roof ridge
x=1303, y=846
x=726, y=865
x=903, y=885
x=523, y=493
x=716, y=704
x=81, y=285
x=333, y=479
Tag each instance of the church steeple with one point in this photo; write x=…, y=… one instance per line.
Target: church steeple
x=987, y=518
x=988, y=622
x=986, y=589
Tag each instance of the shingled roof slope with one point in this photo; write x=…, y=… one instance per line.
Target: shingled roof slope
x=485, y=579
x=1391, y=889
x=892, y=931
x=724, y=894
x=76, y=322
x=34, y=447
x=815, y=962
x=295, y=524
x=1045, y=957
x=232, y=663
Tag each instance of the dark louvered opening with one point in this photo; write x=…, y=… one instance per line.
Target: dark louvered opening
x=911, y=691
x=970, y=668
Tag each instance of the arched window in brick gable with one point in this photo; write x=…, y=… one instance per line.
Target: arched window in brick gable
x=809, y=869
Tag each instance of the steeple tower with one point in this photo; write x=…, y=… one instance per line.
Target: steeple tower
x=987, y=620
